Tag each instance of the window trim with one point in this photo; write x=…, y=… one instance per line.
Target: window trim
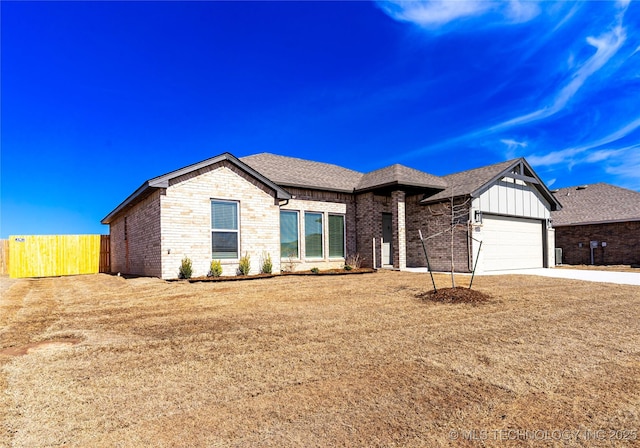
x=344, y=236
x=237, y=231
x=297, y=213
x=322, y=242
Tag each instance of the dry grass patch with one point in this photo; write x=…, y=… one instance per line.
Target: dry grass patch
x=315, y=361
x=612, y=268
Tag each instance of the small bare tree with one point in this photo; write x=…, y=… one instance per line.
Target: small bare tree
x=459, y=219
x=459, y=216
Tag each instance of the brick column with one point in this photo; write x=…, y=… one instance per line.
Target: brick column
x=399, y=230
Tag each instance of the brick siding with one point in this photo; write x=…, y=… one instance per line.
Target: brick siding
x=325, y=202
x=139, y=254
x=433, y=219
x=623, y=243
x=186, y=219
x=369, y=210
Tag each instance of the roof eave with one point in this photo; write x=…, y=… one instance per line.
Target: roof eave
x=400, y=185
x=316, y=188
x=130, y=200
x=587, y=223
x=427, y=201
x=163, y=181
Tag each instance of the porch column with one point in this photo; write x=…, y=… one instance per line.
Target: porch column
x=399, y=230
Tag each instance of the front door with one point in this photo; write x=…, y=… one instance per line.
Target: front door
x=387, y=239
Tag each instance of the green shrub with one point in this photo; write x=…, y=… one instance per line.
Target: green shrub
x=348, y=267
x=267, y=264
x=186, y=268
x=315, y=270
x=245, y=265
x=215, y=270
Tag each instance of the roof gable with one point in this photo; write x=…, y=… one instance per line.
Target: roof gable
x=163, y=182
x=476, y=181
x=595, y=204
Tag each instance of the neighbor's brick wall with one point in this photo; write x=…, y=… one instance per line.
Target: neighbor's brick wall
x=140, y=254
x=186, y=219
x=369, y=210
x=623, y=243
x=432, y=219
x=326, y=202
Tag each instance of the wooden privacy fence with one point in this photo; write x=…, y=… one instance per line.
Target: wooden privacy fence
x=4, y=257
x=53, y=255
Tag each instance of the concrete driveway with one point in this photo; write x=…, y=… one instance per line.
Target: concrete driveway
x=622, y=278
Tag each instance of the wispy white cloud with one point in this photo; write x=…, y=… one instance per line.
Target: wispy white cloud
x=513, y=144
x=568, y=156
x=607, y=45
x=626, y=167
x=513, y=147
x=603, y=154
x=432, y=14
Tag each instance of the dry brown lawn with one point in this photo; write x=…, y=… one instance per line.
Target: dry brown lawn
x=318, y=361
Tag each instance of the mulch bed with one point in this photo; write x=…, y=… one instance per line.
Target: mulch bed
x=228, y=278
x=454, y=295
x=231, y=278
x=332, y=272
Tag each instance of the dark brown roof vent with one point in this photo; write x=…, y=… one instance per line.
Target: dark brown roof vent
x=582, y=187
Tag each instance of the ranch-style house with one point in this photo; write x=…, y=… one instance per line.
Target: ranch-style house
x=308, y=214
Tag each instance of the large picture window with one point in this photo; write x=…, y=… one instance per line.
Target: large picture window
x=336, y=236
x=313, y=235
x=289, y=242
x=224, y=230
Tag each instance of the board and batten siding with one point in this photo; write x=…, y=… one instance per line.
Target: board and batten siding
x=515, y=209
x=513, y=199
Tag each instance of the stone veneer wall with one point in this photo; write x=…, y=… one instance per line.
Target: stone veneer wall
x=433, y=219
x=140, y=253
x=186, y=219
x=623, y=243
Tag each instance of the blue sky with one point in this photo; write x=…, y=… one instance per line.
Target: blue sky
x=97, y=97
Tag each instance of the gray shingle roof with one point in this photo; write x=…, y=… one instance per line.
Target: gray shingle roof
x=466, y=182
x=400, y=175
x=163, y=182
x=294, y=172
x=597, y=203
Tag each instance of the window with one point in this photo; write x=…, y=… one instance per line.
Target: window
x=289, y=243
x=336, y=236
x=313, y=235
x=224, y=230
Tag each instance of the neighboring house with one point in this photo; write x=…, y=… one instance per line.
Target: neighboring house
x=600, y=215
x=311, y=214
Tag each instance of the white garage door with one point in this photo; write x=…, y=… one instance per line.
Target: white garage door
x=511, y=243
